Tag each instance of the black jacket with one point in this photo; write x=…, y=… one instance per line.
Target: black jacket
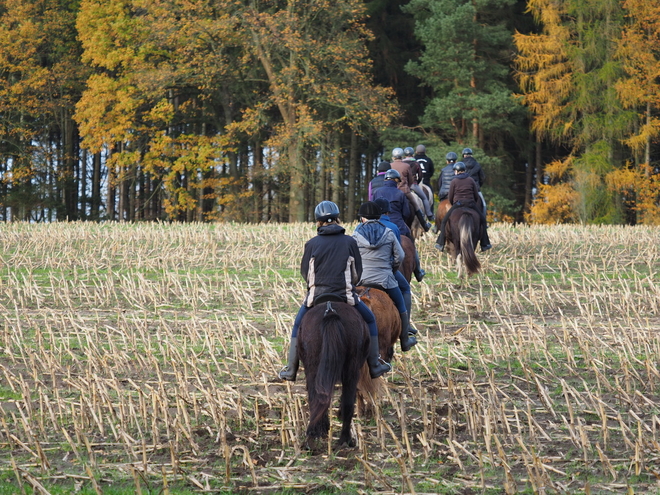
x=331, y=264
x=427, y=167
x=474, y=170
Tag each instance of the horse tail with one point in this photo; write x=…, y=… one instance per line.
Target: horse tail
x=331, y=363
x=466, y=228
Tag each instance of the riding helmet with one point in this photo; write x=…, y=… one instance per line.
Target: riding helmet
x=392, y=174
x=460, y=166
x=326, y=210
x=369, y=210
x=421, y=149
x=384, y=205
x=408, y=151
x=397, y=153
x=467, y=151
x=451, y=156
x=384, y=166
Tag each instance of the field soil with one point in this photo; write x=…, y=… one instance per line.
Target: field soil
x=139, y=358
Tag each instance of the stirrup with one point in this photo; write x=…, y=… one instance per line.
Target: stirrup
x=291, y=377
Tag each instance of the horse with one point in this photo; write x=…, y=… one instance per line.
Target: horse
x=408, y=265
x=412, y=221
x=389, y=330
x=333, y=343
x=463, y=231
x=443, y=208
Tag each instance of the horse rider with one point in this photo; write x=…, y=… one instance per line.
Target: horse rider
x=418, y=176
x=475, y=171
x=463, y=191
x=407, y=180
x=425, y=163
x=398, y=211
x=377, y=182
x=332, y=264
x=404, y=286
x=446, y=175
x=381, y=256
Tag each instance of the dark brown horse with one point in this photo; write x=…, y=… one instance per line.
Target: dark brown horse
x=408, y=265
x=333, y=343
x=389, y=329
x=463, y=231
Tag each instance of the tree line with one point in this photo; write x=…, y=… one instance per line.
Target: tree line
x=255, y=110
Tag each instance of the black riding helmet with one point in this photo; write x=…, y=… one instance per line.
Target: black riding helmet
x=326, y=210
x=408, y=151
x=459, y=166
x=392, y=174
x=451, y=156
x=370, y=211
x=384, y=205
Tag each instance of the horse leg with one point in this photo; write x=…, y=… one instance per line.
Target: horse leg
x=347, y=407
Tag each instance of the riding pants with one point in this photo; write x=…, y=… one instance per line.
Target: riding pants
x=404, y=286
x=362, y=308
x=397, y=298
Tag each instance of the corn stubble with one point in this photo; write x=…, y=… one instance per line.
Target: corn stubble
x=147, y=355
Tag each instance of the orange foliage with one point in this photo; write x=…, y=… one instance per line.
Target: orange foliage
x=641, y=189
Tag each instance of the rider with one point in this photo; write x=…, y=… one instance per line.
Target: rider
x=381, y=256
x=407, y=180
x=377, y=181
x=463, y=191
x=332, y=264
x=418, y=176
x=404, y=286
x=475, y=171
x=425, y=163
x=398, y=211
x=446, y=175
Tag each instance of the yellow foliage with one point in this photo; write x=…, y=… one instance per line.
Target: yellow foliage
x=554, y=204
x=641, y=189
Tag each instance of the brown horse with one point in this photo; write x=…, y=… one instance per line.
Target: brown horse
x=333, y=343
x=389, y=329
x=443, y=208
x=463, y=231
x=408, y=265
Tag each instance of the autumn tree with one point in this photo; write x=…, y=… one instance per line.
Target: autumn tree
x=568, y=74
x=314, y=58
x=639, y=90
x=40, y=79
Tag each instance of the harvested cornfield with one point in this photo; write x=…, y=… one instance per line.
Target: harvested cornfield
x=143, y=359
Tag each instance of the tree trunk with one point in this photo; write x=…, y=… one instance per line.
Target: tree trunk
x=336, y=169
x=353, y=176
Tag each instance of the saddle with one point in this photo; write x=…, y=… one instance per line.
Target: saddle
x=327, y=297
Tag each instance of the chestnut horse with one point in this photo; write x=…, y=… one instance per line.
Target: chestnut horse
x=443, y=208
x=463, y=231
x=389, y=329
x=333, y=343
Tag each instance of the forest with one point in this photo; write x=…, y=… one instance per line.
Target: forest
x=255, y=110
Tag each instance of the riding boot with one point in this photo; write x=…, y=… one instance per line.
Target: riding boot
x=417, y=270
x=422, y=220
x=291, y=369
x=440, y=241
x=407, y=300
x=407, y=341
x=485, y=241
x=377, y=367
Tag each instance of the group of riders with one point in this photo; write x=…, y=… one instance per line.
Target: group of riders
x=334, y=263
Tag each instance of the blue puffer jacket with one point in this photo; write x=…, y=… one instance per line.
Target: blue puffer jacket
x=446, y=176
x=381, y=253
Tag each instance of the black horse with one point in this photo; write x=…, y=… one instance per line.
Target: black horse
x=333, y=343
x=463, y=232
